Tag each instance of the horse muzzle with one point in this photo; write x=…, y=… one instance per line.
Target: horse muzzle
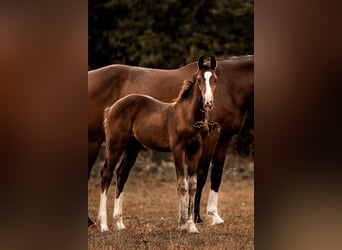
x=208, y=105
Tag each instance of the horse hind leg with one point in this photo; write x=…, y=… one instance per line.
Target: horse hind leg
x=128, y=160
x=93, y=149
x=105, y=181
x=106, y=177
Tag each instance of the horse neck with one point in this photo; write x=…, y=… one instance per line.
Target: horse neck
x=192, y=106
x=242, y=89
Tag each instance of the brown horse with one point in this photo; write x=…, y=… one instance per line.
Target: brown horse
x=235, y=92
x=136, y=121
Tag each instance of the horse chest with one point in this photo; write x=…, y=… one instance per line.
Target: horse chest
x=232, y=123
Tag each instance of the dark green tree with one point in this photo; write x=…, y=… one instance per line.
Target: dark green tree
x=167, y=34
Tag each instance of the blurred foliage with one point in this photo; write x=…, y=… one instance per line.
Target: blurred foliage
x=169, y=33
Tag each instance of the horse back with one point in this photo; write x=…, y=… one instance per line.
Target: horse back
x=143, y=117
x=115, y=81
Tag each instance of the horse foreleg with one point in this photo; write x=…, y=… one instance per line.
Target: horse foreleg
x=182, y=189
x=182, y=185
x=128, y=160
x=216, y=176
x=208, y=149
x=192, y=191
x=202, y=173
x=193, y=161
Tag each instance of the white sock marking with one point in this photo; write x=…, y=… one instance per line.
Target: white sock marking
x=212, y=208
x=118, y=212
x=103, y=212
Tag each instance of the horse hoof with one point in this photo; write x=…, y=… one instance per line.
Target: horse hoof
x=192, y=227
x=198, y=219
x=93, y=228
x=120, y=225
x=104, y=228
x=183, y=229
x=216, y=219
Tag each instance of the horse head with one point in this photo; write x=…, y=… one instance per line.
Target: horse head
x=206, y=77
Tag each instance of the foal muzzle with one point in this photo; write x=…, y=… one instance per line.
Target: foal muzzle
x=208, y=104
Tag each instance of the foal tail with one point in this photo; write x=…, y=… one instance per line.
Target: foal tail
x=106, y=129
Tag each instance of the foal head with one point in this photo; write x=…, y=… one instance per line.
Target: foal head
x=205, y=77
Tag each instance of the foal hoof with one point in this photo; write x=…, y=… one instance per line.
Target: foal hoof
x=120, y=225
x=192, y=227
x=183, y=229
x=93, y=228
x=104, y=228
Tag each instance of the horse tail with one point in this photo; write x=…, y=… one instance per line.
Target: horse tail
x=106, y=129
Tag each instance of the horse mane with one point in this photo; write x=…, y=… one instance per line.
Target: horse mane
x=185, y=91
x=105, y=125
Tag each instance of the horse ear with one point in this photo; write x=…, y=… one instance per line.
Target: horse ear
x=200, y=62
x=213, y=63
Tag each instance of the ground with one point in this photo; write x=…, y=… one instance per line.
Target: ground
x=150, y=209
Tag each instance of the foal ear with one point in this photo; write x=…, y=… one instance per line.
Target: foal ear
x=213, y=63
x=200, y=62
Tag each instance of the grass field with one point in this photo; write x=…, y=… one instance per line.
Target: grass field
x=150, y=210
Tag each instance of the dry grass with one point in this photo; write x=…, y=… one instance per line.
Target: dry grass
x=151, y=211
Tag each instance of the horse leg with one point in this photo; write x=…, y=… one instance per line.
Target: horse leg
x=128, y=160
x=202, y=173
x=113, y=155
x=193, y=161
x=93, y=149
x=216, y=176
x=208, y=148
x=182, y=185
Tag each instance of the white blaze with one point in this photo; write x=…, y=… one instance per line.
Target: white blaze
x=208, y=96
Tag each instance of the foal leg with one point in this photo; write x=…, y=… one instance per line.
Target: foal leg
x=193, y=161
x=113, y=156
x=216, y=176
x=182, y=189
x=93, y=149
x=182, y=185
x=129, y=157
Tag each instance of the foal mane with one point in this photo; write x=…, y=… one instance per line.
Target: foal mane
x=185, y=91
